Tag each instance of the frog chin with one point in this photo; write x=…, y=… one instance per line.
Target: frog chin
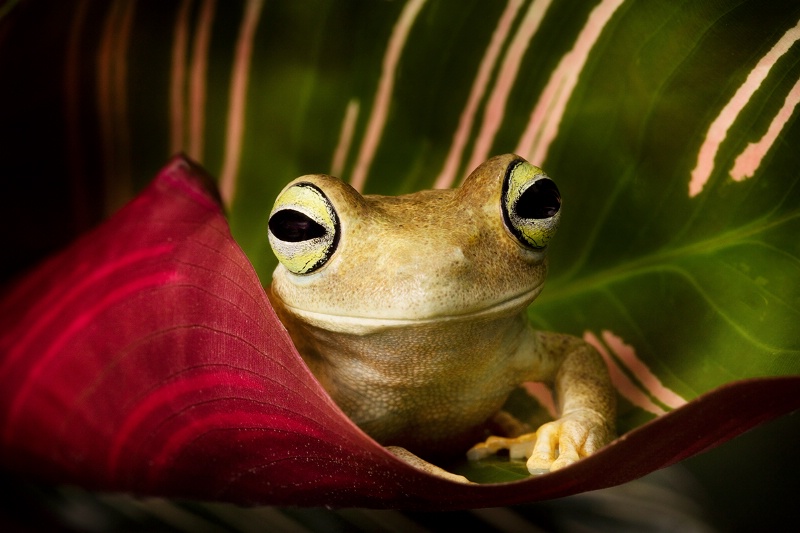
x=360, y=325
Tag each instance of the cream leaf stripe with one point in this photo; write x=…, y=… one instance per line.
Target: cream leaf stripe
x=197, y=86
x=641, y=372
x=544, y=395
x=750, y=159
x=380, y=106
x=345, y=137
x=718, y=130
x=236, y=107
x=546, y=117
x=447, y=176
x=648, y=387
x=509, y=69
x=197, y=80
x=626, y=387
x=178, y=77
x=112, y=102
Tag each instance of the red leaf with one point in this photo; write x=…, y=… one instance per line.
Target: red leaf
x=146, y=358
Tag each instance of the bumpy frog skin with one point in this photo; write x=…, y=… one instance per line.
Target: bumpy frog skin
x=411, y=312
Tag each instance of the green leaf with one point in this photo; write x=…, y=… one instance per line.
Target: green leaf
x=493, y=470
x=679, y=267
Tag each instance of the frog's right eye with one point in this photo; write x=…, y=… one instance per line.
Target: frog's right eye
x=303, y=228
x=531, y=204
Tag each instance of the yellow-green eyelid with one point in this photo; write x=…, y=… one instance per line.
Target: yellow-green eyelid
x=538, y=235
x=307, y=199
x=533, y=232
x=306, y=256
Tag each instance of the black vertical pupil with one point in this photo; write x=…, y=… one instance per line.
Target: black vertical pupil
x=293, y=226
x=540, y=200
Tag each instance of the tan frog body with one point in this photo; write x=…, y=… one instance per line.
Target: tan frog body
x=411, y=311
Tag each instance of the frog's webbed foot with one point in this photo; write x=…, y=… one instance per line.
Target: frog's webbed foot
x=555, y=445
x=425, y=466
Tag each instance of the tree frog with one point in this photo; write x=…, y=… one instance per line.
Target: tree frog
x=411, y=313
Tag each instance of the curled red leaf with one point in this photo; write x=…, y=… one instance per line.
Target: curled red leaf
x=146, y=358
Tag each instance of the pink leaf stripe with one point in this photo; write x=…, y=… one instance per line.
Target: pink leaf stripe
x=237, y=107
x=497, y=102
x=544, y=396
x=624, y=385
x=718, y=131
x=642, y=373
x=383, y=96
x=648, y=383
x=146, y=358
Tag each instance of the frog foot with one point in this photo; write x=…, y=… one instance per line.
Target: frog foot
x=555, y=444
x=425, y=466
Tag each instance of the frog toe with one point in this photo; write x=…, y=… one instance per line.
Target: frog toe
x=425, y=466
x=565, y=441
x=518, y=447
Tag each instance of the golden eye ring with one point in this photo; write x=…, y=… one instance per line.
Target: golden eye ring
x=304, y=228
x=531, y=204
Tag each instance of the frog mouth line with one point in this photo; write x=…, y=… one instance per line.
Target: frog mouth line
x=350, y=323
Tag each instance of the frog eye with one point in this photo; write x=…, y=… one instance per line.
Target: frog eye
x=303, y=228
x=531, y=204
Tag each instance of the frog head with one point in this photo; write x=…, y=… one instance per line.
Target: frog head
x=351, y=261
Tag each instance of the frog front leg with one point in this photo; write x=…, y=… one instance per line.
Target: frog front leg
x=587, y=405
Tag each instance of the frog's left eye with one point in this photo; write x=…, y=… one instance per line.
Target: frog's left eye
x=303, y=228
x=531, y=204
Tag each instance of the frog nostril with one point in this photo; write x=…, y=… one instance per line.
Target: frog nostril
x=456, y=256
